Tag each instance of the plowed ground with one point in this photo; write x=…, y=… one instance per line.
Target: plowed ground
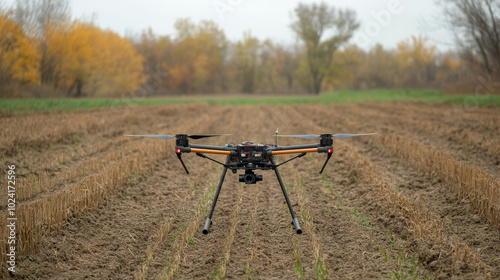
x=150, y=226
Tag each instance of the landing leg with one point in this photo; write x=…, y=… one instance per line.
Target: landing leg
x=221, y=180
x=294, y=218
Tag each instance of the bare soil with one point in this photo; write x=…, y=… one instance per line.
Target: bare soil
x=145, y=226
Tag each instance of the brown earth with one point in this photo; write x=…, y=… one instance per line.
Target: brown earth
x=150, y=227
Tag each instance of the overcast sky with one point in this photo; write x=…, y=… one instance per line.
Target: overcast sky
x=397, y=19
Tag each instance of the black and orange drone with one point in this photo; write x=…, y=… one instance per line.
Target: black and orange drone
x=250, y=156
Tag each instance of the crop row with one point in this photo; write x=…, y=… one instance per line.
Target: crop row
x=39, y=217
x=421, y=221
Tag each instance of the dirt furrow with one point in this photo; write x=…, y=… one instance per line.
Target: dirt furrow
x=141, y=217
x=59, y=168
x=378, y=211
x=227, y=255
x=482, y=189
x=262, y=245
x=478, y=149
x=461, y=220
x=203, y=254
x=31, y=132
x=242, y=251
x=129, y=120
x=179, y=214
x=109, y=242
x=350, y=244
x=190, y=267
x=483, y=120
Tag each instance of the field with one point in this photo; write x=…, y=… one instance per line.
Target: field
x=420, y=200
x=10, y=106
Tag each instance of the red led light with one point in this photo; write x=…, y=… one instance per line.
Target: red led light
x=178, y=151
x=330, y=151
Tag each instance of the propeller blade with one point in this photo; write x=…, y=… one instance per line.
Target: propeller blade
x=343, y=136
x=308, y=137
x=199, y=136
x=164, y=137
x=313, y=136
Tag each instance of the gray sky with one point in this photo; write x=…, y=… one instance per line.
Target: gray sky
x=397, y=19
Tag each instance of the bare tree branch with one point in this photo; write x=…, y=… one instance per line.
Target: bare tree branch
x=475, y=22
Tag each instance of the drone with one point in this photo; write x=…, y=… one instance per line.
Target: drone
x=251, y=156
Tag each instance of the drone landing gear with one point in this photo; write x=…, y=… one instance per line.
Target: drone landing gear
x=295, y=222
x=221, y=180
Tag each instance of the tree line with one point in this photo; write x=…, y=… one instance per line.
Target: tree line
x=44, y=52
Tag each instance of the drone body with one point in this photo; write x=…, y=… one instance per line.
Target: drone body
x=250, y=156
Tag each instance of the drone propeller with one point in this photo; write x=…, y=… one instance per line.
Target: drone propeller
x=314, y=136
x=168, y=137
x=199, y=136
x=180, y=136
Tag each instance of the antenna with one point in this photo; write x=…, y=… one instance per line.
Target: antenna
x=276, y=137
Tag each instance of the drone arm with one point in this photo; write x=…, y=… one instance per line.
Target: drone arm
x=180, y=150
x=297, y=147
x=204, y=156
x=207, y=147
x=284, y=152
x=297, y=156
x=310, y=150
x=207, y=151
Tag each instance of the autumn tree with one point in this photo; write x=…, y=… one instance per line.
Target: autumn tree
x=450, y=70
x=19, y=60
x=196, y=62
x=247, y=60
x=39, y=18
x=323, y=29
x=416, y=62
x=341, y=73
x=266, y=67
x=477, y=28
x=378, y=68
x=93, y=61
x=286, y=62
x=156, y=51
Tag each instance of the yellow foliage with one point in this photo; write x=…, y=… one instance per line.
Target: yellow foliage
x=95, y=61
x=197, y=57
x=415, y=58
x=415, y=50
x=448, y=69
x=19, y=60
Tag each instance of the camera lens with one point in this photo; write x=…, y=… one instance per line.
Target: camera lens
x=250, y=179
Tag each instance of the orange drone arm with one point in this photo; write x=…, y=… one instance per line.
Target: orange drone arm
x=313, y=150
x=205, y=151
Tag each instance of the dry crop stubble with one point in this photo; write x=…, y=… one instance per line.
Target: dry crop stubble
x=467, y=141
x=192, y=193
x=54, y=168
x=461, y=218
x=469, y=182
x=270, y=249
x=39, y=217
x=338, y=228
x=421, y=221
x=216, y=247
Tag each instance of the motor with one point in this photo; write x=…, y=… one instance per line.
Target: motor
x=250, y=178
